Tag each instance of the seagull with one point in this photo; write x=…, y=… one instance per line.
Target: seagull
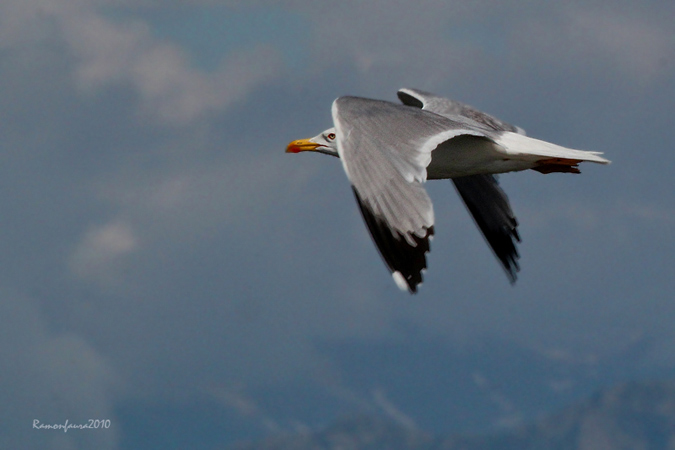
x=389, y=151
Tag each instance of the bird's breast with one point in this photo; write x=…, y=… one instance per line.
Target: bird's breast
x=470, y=155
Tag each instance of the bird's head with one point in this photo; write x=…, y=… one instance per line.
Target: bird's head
x=325, y=142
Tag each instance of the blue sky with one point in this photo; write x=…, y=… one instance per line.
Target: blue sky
x=159, y=246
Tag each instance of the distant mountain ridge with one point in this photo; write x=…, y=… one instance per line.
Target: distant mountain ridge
x=446, y=389
x=635, y=415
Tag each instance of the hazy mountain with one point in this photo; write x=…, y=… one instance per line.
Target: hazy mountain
x=629, y=416
x=355, y=433
x=414, y=383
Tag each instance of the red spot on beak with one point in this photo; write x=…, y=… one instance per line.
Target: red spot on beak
x=301, y=145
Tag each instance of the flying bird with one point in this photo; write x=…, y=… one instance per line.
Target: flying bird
x=389, y=150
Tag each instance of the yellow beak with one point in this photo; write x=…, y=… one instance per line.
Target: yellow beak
x=301, y=145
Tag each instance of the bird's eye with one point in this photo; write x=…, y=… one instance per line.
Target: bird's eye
x=331, y=136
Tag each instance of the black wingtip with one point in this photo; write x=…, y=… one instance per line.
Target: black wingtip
x=409, y=100
x=397, y=252
x=490, y=209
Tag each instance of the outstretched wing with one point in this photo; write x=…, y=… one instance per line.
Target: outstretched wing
x=385, y=149
x=451, y=109
x=485, y=200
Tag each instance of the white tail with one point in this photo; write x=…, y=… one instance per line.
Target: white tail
x=527, y=148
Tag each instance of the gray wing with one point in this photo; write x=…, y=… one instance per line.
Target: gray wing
x=385, y=149
x=451, y=108
x=485, y=200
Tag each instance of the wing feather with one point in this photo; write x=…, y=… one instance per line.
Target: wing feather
x=487, y=203
x=385, y=149
x=452, y=108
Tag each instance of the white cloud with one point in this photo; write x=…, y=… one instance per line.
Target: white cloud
x=101, y=251
x=125, y=52
x=170, y=89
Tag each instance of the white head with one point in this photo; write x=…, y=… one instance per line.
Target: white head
x=325, y=142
